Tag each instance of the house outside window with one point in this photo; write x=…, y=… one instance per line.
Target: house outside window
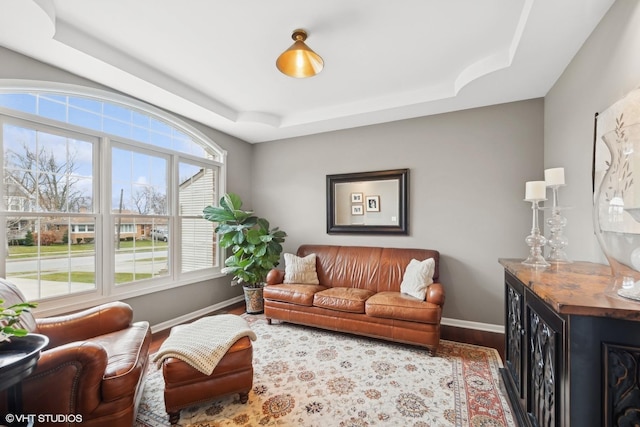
x=87, y=176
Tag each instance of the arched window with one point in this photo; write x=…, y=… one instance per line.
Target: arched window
x=102, y=195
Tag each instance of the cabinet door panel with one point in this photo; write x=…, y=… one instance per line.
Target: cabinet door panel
x=514, y=335
x=544, y=357
x=622, y=379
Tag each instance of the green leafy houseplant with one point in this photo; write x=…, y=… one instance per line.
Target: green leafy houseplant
x=9, y=316
x=255, y=247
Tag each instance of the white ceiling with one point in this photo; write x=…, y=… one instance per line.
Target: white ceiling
x=214, y=60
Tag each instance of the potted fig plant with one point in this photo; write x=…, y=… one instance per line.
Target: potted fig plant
x=255, y=246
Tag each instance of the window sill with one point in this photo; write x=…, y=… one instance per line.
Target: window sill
x=82, y=301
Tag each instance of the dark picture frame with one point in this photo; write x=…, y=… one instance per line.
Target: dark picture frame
x=390, y=215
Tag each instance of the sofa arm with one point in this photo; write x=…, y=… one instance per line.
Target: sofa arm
x=275, y=277
x=435, y=293
x=85, y=324
x=68, y=376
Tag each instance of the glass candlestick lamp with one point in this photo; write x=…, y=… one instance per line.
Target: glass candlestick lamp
x=535, y=192
x=557, y=240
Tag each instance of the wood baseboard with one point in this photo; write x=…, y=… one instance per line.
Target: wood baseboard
x=474, y=336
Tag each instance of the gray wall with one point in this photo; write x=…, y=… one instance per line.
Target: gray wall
x=161, y=306
x=466, y=188
x=603, y=71
x=467, y=173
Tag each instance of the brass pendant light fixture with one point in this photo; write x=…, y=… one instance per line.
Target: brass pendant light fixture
x=299, y=61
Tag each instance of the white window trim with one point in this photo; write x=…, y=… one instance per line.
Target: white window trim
x=112, y=293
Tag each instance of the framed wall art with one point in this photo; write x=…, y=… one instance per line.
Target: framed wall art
x=368, y=202
x=372, y=203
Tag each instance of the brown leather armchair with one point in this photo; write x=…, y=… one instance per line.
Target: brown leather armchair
x=93, y=366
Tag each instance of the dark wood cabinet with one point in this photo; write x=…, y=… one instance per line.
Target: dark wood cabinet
x=534, y=356
x=572, y=350
x=515, y=335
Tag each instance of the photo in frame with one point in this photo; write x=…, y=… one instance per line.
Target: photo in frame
x=372, y=203
x=356, y=197
x=357, y=210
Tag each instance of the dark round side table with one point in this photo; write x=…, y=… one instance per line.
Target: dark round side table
x=18, y=359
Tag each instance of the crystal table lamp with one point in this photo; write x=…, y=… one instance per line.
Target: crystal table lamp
x=535, y=192
x=557, y=241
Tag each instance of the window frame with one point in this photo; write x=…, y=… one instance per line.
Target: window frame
x=104, y=219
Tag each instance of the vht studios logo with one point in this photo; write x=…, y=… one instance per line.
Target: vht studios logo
x=42, y=418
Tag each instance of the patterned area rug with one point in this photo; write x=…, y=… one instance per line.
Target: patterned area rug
x=310, y=377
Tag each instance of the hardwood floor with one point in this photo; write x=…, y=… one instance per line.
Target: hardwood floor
x=470, y=336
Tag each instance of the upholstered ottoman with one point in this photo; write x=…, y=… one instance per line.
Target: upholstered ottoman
x=187, y=386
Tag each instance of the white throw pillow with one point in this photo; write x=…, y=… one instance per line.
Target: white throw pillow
x=300, y=270
x=417, y=277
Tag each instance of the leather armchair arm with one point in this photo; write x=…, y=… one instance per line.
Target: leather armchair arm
x=275, y=277
x=69, y=376
x=435, y=293
x=85, y=324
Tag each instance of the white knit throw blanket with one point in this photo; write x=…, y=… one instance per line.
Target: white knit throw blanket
x=204, y=342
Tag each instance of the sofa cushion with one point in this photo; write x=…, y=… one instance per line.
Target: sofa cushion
x=417, y=276
x=293, y=293
x=300, y=269
x=378, y=269
x=343, y=299
x=395, y=305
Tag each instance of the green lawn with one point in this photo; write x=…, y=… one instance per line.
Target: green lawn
x=88, y=277
x=62, y=249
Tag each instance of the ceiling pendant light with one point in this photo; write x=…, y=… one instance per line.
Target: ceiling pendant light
x=299, y=61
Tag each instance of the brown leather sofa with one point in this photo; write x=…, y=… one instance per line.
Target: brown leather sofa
x=93, y=366
x=360, y=294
